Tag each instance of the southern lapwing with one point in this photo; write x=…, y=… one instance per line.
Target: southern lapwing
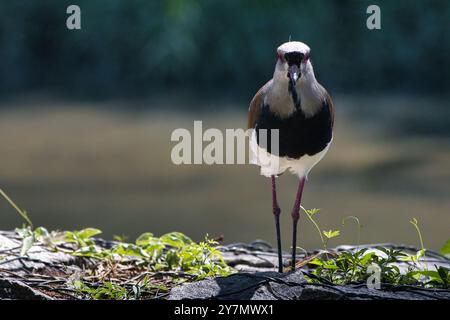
x=301, y=109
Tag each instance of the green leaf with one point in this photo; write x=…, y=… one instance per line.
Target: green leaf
x=413, y=258
x=154, y=249
x=21, y=212
x=331, y=233
x=331, y=266
x=120, y=238
x=41, y=233
x=28, y=239
x=145, y=239
x=128, y=249
x=366, y=258
x=445, y=250
x=92, y=251
x=88, y=233
x=27, y=243
x=313, y=211
x=69, y=236
x=172, y=259
x=23, y=232
x=420, y=254
x=175, y=239
x=433, y=275
x=408, y=258
x=317, y=262
x=383, y=249
x=444, y=274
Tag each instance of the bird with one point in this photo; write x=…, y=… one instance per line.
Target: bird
x=297, y=110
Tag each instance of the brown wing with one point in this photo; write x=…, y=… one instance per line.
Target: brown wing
x=256, y=104
x=329, y=104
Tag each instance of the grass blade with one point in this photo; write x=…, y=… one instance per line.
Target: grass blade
x=22, y=213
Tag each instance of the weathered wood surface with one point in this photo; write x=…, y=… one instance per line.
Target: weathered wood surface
x=42, y=273
x=259, y=281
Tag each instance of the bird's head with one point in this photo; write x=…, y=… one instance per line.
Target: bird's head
x=292, y=61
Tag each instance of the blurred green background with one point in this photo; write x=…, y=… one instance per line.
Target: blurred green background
x=86, y=115
x=138, y=48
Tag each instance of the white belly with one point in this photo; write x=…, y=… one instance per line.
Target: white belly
x=273, y=165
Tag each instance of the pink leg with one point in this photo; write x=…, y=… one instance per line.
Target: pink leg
x=295, y=217
x=276, y=214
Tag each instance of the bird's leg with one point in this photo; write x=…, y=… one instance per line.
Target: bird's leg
x=295, y=217
x=276, y=214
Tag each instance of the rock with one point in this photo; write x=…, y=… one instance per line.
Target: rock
x=290, y=286
x=243, y=286
x=27, y=277
x=14, y=267
x=258, y=280
x=258, y=256
x=37, y=257
x=15, y=289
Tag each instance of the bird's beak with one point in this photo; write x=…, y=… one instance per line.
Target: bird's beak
x=294, y=73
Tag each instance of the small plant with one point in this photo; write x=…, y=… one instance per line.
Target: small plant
x=83, y=237
x=358, y=237
x=445, y=250
x=120, y=238
x=352, y=266
x=328, y=234
x=106, y=291
x=415, y=223
x=173, y=251
x=419, y=254
x=158, y=263
x=21, y=212
x=26, y=232
x=310, y=213
x=173, y=254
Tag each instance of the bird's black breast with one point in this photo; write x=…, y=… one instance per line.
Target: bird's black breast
x=298, y=134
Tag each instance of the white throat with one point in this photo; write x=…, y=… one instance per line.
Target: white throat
x=311, y=93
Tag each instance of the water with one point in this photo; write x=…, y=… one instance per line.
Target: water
x=75, y=166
